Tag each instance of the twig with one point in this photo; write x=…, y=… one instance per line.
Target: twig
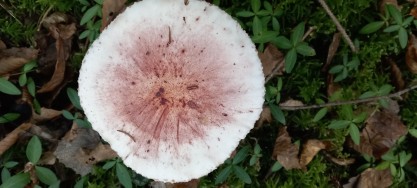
x=337, y=23
x=309, y=31
x=4, y=6
x=397, y=94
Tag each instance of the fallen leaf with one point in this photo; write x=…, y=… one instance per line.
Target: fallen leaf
x=2, y=45
x=332, y=50
x=310, y=149
x=272, y=61
x=190, y=184
x=285, y=152
x=338, y=161
x=393, y=106
x=54, y=19
x=111, y=8
x=396, y=75
x=81, y=148
x=63, y=34
x=413, y=12
x=14, y=58
x=411, y=54
x=381, y=132
x=332, y=87
x=291, y=103
x=48, y=158
x=12, y=137
x=45, y=115
x=264, y=117
x=371, y=178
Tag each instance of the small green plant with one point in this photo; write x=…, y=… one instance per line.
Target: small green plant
x=261, y=21
x=398, y=24
x=8, y=87
x=75, y=100
x=272, y=98
x=350, y=121
x=342, y=71
x=233, y=167
x=91, y=18
x=381, y=91
x=33, y=154
x=396, y=163
x=294, y=46
x=122, y=172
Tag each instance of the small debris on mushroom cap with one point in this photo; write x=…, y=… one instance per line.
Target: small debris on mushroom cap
x=173, y=87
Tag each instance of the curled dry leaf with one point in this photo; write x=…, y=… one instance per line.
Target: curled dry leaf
x=332, y=50
x=63, y=34
x=272, y=61
x=381, y=132
x=2, y=45
x=265, y=117
x=190, y=184
x=12, y=137
x=81, y=148
x=291, y=103
x=332, y=87
x=338, y=161
x=111, y=8
x=310, y=149
x=371, y=178
x=285, y=152
x=14, y=58
x=45, y=115
x=396, y=75
x=413, y=12
x=411, y=54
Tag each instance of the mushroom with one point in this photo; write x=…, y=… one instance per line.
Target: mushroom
x=172, y=86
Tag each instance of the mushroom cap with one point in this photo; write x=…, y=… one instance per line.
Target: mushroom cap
x=172, y=86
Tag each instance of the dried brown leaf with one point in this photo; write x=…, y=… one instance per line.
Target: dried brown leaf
x=413, y=12
x=411, y=54
x=45, y=115
x=339, y=161
x=14, y=58
x=291, y=103
x=2, y=45
x=331, y=86
x=265, y=117
x=12, y=137
x=48, y=158
x=285, y=152
x=332, y=50
x=381, y=132
x=310, y=149
x=396, y=75
x=54, y=19
x=63, y=35
x=190, y=184
x=371, y=178
x=272, y=61
x=111, y=8
x=81, y=148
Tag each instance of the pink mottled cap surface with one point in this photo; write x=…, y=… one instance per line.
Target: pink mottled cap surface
x=172, y=87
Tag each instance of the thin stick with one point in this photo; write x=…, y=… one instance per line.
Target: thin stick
x=338, y=26
x=397, y=94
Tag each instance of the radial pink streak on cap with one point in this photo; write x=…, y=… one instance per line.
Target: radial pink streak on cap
x=173, y=87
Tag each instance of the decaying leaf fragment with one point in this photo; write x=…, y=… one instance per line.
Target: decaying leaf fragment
x=310, y=149
x=411, y=54
x=381, y=132
x=285, y=152
x=332, y=50
x=12, y=137
x=80, y=148
x=272, y=61
x=14, y=58
x=111, y=8
x=265, y=117
x=62, y=33
x=396, y=75
x=291, y=103
x=371, y=178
